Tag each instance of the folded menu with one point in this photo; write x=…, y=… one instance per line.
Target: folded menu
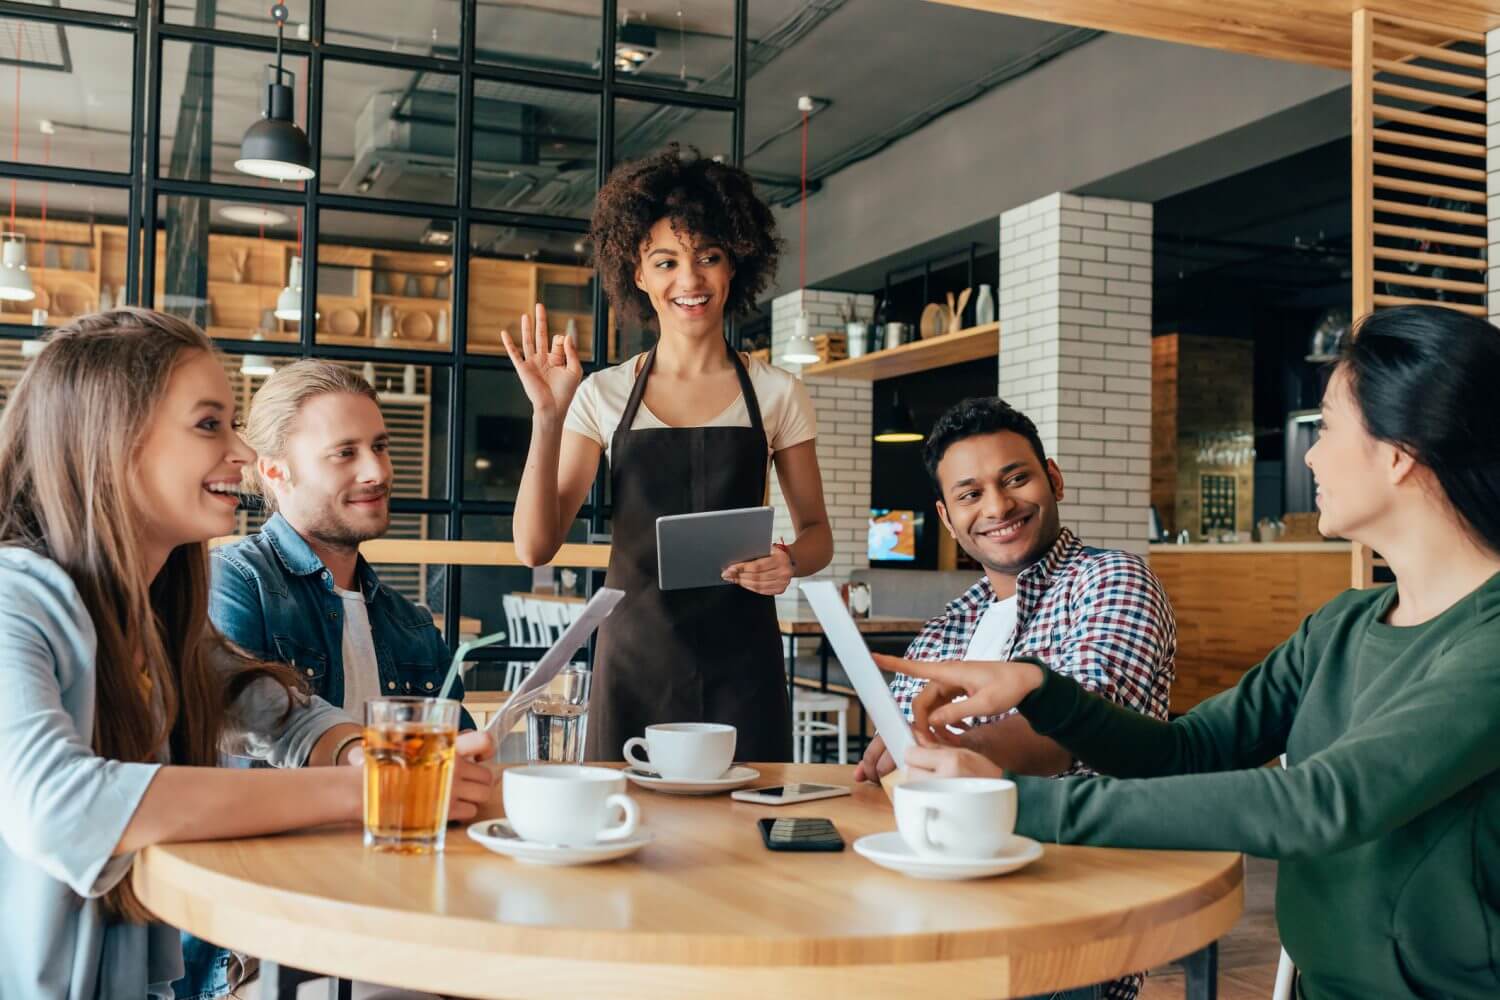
x=552, y=661
x=854, y=656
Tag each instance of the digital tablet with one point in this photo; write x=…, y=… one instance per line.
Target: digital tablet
x=854, y=656
x=693, y=550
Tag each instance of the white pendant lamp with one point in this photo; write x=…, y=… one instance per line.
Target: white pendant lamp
x=15, y=280
x=289, y=302
x=800, y=349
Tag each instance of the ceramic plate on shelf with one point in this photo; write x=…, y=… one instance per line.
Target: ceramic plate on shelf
x=343, y=322
x=71, y=300
x=416, y=325
x=889, y=850
x=933, y=319
x=737, y=776
x=496, y=835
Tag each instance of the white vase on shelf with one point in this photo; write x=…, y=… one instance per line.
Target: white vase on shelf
x=442, y=326
x=409, y=380
x=984, y=306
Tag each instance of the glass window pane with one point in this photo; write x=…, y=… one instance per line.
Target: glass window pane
x=687, y=46
x=426, y=29
x=74, y=94
x=535, y=150
x=389, y=133
x=231, y=267
x=497, y=433
x=385, y=281
x=76, y=259
x=645, y=127
x=559, y=36
x=421, y=583
x=512, y=268
x=249, y=16
x=125, y=7
x=210, y=94
x=482, y=588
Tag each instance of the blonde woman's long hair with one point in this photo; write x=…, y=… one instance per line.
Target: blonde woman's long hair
x=280, y=399
x=69, y=439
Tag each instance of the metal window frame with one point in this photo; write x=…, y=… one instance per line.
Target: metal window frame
x=146, y=187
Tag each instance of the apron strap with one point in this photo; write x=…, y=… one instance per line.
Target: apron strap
x=633, y=405
x=747, y=389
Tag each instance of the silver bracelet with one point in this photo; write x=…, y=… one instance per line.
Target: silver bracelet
x=343, y=744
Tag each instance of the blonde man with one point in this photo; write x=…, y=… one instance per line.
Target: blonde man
x=299, y=591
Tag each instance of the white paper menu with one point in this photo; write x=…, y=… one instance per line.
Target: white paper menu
x=552, y=661
x=869, y=683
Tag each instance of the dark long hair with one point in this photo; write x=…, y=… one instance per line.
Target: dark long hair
x=1427, y=379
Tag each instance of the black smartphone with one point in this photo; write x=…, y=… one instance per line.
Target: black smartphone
x=800, y=833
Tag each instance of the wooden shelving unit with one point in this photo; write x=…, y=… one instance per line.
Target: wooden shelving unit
x=919, y=356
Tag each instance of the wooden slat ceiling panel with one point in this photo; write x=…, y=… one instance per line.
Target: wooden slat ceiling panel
x=1308, y=31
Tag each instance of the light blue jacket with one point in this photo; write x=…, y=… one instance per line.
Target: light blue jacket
x=63, y=808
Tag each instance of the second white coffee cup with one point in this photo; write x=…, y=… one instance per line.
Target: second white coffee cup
x=956, y=817
x=685, y=751
x=567, y=805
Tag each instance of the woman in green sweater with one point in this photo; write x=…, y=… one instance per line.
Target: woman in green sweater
x=1386, y=702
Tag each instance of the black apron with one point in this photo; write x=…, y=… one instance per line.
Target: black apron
x=708, y=654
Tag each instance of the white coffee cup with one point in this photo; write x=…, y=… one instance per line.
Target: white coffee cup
x=685, y=751
x=956, y=817
x=568, y=805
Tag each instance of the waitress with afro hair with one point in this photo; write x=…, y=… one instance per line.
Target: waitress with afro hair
x=680, y=242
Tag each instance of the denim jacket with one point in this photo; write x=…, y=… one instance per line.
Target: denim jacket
x=272, y=595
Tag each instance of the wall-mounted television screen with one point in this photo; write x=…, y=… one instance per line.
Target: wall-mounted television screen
x=893, y=535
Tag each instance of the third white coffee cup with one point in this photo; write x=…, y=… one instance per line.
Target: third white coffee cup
x=685, y=751
x=568, y=805
x=956, y=817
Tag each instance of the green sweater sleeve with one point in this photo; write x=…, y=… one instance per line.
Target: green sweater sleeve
x=1242, y=727
x=1429, y=739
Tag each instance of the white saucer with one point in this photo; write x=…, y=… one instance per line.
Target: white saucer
x=504, y=840
x=888, y=850
x=737, y=776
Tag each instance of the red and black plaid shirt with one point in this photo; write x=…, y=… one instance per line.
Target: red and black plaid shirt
x=1097, y=615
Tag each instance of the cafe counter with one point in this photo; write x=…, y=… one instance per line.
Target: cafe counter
x=1237, y=602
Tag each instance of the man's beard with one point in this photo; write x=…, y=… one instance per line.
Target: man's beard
x=332, y=530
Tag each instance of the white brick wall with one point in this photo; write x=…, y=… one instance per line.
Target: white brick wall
x=1492, y=163
x=844, y=411
x=1075, y=352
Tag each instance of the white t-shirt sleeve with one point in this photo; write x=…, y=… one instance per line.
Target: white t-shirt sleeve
x=795, y=420
x=583, y=413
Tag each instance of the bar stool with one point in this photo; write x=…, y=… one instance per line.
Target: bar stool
x=520, y=634
x=806, y=705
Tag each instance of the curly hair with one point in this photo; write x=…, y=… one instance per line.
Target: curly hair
x=712, y=202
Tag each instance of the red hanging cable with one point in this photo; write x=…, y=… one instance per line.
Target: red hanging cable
x=15, y=146
x=46, y=161
x=802, y=242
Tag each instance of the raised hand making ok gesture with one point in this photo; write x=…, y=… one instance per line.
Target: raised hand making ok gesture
x=548, y=365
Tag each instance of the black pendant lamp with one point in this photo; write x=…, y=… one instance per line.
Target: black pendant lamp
x=274, y=147
x=899, y=427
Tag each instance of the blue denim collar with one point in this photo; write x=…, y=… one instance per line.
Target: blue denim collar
x=300, y=560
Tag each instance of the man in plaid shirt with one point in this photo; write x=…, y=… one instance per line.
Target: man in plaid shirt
x=1097, y=615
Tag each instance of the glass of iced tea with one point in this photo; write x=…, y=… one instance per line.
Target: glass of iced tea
x=409, y=749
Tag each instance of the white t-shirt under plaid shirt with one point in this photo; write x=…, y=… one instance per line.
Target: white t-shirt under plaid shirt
x=1099, y=616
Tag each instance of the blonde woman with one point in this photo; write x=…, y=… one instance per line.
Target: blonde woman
x=117, y=457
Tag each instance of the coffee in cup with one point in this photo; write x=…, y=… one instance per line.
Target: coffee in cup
x=567, y=805
x=956, y=817
x=685, y=751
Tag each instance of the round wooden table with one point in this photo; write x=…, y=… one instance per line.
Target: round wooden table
x=704, y=910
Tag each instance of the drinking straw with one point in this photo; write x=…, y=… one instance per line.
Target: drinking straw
x=463, y=651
